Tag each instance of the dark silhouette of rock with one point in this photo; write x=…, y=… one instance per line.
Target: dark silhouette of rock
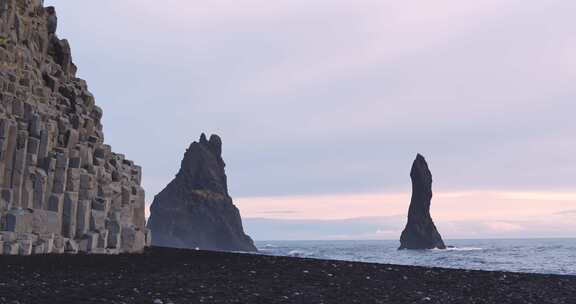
x=420, y=231
x=195, y=209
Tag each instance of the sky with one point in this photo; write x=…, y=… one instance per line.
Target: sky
x=323, y=104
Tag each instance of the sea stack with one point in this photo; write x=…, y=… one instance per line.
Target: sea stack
x=62, y=189
x=195, y=209
x=420, y=231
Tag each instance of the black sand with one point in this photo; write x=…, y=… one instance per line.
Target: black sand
x=181, y=276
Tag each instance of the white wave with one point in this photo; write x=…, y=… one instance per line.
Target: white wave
x=464, y=249
x=299, y=253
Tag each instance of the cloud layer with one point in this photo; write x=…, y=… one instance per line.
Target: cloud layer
x=383, y=216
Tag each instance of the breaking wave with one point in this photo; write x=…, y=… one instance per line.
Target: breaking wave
x=554, y=256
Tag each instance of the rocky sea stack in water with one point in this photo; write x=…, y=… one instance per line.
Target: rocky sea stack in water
x=62, y=189
x=420, y=231
x=195, y=210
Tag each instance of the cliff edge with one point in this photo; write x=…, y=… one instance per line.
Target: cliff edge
x=62, y=190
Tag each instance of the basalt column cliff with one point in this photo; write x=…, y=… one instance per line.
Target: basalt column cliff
x=420, y=231
x=195, y=210
x=62, y=189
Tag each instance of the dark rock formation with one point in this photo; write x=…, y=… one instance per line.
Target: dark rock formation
x=62, y=190
x=420, y=231
x=195, y=210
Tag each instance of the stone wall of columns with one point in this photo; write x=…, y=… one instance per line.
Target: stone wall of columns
x=62, y=189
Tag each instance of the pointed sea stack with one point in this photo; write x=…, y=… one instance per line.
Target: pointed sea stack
x=420, y=231
x=195, y=209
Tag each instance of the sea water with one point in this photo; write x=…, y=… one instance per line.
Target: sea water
x=550, y=256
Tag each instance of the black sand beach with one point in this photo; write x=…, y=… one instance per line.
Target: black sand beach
x=183, y=276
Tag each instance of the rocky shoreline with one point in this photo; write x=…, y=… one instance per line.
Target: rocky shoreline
x=163, y=275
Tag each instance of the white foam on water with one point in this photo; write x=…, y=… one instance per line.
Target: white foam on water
x=463, y=249
x=299, y=253
x=555, y=256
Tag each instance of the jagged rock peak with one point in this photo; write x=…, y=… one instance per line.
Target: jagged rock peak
x=214, y=144
x=203, y=139
x=420, y=231
x=195, y=209
x=202, y=167
x=62, y=189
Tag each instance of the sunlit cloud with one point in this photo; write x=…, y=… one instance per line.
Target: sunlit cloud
x=479, y=205
x=275, y=212
x=325, y=207
x=568, y=213
x=472, y=214
x=503, y=227
x=539, y=196
x=388, y=232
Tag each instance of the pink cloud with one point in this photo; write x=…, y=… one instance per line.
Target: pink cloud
x=503, y=227
x=446, y=206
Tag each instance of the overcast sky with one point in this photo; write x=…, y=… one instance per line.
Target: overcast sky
x=326, y=103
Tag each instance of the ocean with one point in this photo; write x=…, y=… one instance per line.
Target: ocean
x=549, y=256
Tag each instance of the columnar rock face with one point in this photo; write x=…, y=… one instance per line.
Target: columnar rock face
x=62, y=190
x=420, y=231
x=195, y=210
